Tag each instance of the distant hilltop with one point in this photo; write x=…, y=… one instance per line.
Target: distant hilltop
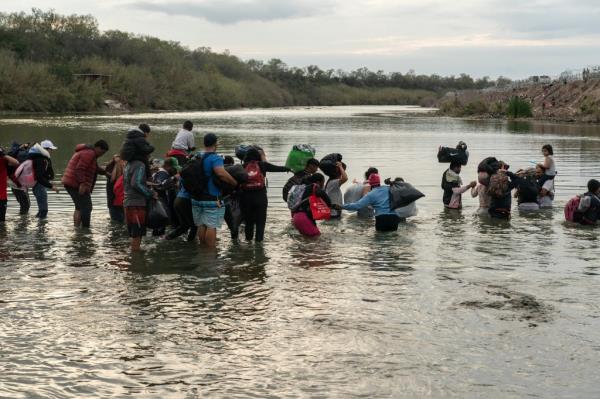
x=571, y=97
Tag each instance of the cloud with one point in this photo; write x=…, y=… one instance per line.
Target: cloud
x=233, y=11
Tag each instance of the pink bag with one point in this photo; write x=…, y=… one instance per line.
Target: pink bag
x=25, y=175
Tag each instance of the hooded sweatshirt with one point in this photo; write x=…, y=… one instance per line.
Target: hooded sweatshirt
x=82, y=168
x=42, y=165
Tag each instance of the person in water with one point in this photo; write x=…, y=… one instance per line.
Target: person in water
x=209, y=211
x=80, y=177
x=20, y=152
x=39, y=155
x=548, y=165
x=334, y=190
x=379, y=198
x=114, y=172
x=312, y=167
x=500, y=190
x=592, y=213
x=527, y=189
x=481, y=191
x=6, y=162
x=137, y=195
x=546, y=194
x=302, y=217
x=453, y=186
x=253, y=197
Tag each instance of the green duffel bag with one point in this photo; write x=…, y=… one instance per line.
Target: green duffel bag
x=298, y=157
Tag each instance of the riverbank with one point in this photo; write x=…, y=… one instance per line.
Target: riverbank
x=576, y=102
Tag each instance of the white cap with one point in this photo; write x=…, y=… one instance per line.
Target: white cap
x=47, y=144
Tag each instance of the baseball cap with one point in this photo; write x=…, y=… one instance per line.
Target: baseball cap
x=47, y=144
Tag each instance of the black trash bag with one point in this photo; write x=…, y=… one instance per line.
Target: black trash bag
x=458, y=154
x=328, y=164
x=158, y=217
x=403, y=194
x=237, y=172
x=242, y=149
x=489, y=165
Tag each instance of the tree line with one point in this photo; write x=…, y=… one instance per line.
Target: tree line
x=42, y=54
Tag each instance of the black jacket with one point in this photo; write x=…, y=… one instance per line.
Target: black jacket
x=135, y=147
x=42, y=167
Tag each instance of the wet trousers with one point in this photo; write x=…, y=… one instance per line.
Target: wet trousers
x=254, y=210
x=22, y=197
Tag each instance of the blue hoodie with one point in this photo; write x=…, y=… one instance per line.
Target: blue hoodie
x=378, y=198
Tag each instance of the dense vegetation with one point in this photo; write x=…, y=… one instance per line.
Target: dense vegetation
x=42, y=52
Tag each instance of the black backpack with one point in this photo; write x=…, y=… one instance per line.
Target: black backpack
x=195, y=180
x=528, y=190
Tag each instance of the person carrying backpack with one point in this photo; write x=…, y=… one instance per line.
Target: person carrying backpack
x=589, y=212
x=500, y=189
x=312, y=167
x=253, y=198
x=198, y=179
x=302, y=215
x=6, y=161
x=386, y=219
x=39, y=155
x=20, y=152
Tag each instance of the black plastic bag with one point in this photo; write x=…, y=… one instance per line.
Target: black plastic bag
x=158, y=217
x=489, y=165
x=242, y=149
x=449, y=155
x=403, y=194
x=328, y=164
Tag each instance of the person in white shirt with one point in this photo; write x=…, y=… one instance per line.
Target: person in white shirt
x=183, y=143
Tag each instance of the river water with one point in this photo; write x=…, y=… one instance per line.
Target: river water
x=450, y=305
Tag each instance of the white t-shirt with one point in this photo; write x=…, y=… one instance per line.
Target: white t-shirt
x=334, y=192
x=551, y=171
x=183, y=141
x=546, y=201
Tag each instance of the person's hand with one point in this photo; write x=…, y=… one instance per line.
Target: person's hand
x=83, y=189
x=56, y=190
x=473, y=184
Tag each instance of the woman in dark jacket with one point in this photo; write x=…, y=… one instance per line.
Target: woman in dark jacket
x=42, y=168
x=253, y=199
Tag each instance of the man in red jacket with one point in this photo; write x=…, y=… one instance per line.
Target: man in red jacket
x=80, y=177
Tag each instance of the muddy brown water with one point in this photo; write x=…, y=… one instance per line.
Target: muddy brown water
x=450, y=305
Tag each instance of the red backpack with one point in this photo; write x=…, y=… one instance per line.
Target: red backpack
x=571, y=209
x=256, y=180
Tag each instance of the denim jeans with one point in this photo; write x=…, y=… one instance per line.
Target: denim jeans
x=41, y=197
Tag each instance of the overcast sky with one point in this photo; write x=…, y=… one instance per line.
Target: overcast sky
x=480, y=37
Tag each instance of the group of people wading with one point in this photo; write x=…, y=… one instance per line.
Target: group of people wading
x=192, y=193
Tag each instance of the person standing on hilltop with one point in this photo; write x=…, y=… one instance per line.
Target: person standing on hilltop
x=183, y=144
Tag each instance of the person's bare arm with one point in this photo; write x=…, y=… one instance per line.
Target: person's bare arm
x=343, y=175
x=11, y=161
x=224, y=176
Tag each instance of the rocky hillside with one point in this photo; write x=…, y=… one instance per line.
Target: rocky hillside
x=576, y=101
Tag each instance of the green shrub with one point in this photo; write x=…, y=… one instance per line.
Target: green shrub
x=519, y=108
